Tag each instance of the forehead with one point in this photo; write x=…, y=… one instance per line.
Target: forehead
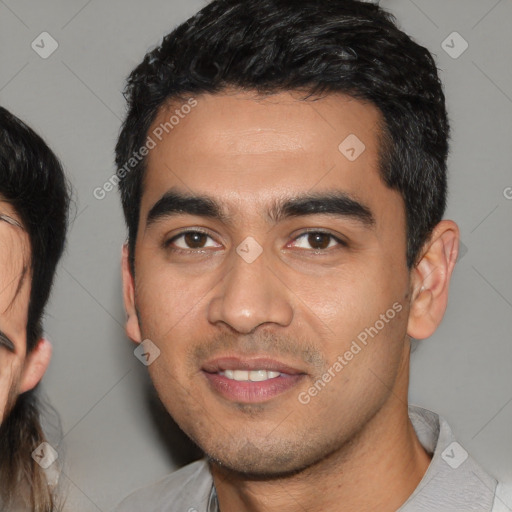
x=247, y=150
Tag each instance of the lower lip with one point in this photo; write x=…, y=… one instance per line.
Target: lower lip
x=251, y=392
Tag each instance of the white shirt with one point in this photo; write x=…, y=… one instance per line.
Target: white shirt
x=453, y=482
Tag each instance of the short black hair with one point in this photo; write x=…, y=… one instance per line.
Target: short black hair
x=32, y=181
x=312, y=46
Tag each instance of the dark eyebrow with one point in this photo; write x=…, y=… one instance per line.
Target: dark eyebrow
x=337, y=203
x=176, y=203
x=6, y=342
x=334, y=203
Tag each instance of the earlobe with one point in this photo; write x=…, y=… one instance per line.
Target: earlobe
x=430, y=280
x=35, y=366
x=132, y=322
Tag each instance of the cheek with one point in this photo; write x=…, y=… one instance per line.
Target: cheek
x=4, y=393
x=347, y=300
x=167, y=301
x=364, y=318
x=364, y=368
x=172, y=307
x=9, y=370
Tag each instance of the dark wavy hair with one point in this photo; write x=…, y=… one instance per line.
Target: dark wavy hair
x=312, y=46
x=33, y=183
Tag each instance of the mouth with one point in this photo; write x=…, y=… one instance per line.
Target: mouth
x=250, y=380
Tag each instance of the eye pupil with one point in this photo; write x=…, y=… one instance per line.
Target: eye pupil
x=195, y=240
x=315, y=239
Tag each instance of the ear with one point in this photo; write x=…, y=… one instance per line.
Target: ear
x=132, y=322
x=430, y=280
x=36, y=363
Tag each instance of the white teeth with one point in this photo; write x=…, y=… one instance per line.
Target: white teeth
x=258, y=375
x=240, y=375
x=253, y=375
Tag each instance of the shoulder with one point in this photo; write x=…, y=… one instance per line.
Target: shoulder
x=503, y=497
x=187, y=488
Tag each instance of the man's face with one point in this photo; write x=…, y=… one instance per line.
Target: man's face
x=14, y=299
x=217, y=308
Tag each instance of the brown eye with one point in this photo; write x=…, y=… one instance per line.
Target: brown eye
x=194, y=240
x=191, y=240
x=317, y=240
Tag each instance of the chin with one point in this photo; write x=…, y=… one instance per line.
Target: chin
x=269, y=462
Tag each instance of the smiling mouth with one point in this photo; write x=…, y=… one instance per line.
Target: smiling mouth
x=250, y=380
x=250, y=376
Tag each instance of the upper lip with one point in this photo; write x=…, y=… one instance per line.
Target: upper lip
x=220, y=364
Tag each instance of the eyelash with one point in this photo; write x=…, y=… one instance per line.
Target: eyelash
x=167, y=243
x=313, y=231
x=7, y=344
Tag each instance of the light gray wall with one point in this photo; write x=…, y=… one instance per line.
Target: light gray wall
x=112, y=443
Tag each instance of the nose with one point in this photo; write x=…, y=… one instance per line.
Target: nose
x=251, y=294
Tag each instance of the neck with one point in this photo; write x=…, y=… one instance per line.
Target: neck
x=377, y=470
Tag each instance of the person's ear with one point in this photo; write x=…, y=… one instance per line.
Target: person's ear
x=132, y=322
x=36, y=363
x=430, y=280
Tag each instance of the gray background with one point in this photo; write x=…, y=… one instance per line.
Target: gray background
x=112, y=443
